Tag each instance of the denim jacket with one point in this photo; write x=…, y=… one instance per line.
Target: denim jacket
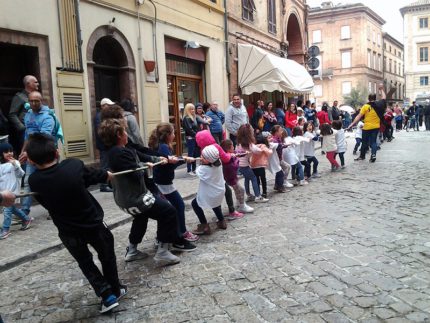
x=40, y=122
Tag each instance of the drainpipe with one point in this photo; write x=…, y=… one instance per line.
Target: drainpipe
x=79, y=36
x=227, y=55
x=140, y=66
x=154, y=39
x=61, y=34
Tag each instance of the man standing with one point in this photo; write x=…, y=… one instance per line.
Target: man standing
x=36, y=120
x=334, y=112
x=372, y=112
x=104, y=104
x=218, y=119
x=427, y=115
x=17, y=112
x=235, y=116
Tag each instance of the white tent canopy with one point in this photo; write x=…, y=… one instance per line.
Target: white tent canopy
x=260, y=71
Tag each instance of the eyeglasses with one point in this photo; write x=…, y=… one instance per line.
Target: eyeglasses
x=34, y=101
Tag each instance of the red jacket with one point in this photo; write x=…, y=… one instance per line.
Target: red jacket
x=323, y=117
x=290, y=119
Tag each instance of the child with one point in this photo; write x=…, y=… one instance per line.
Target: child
x=329, y=145
x=11, y=174
x=278, y=136
x=358, y=136
x=246, y=143
x=289, y=155
x=132, y=196
x=62, y=189
x=309, y=150
x=340, y=142
x=300, y=147
x=204, y=138
x=260, y=161
x=211, y=190
x=161, y=140
x=274, y=165
x=230, y=176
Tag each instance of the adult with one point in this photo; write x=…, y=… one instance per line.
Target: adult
x=372, y=112
x=291, y=118
x=189, y=123
x=269, y=116
x=411, y=116
x=334, y=112
x=399, y=117
x=218, y=119
x=17, y=112
x=133, y=130
x=418, y=117
x=310, y=112
x=235, y=116
x=346, y=119
x=280, y=113
x=105, y=103
x=427, y=115
x=257, y=116
x=203, y=121
x=7, y=198
x=37, y=120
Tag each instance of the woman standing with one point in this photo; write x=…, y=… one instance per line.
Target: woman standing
x=203, y=121
x=133, y=130
x=189, y=123
x=291, y=119
x=269, y=117
x=280, y=113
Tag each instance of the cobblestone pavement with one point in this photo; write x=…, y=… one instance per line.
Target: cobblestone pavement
x=353, y=246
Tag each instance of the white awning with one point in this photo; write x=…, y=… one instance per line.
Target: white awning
x=261, y=71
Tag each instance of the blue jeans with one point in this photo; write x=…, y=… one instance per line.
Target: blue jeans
x=178, y=203
x=369, y=139
x=192, y=152
x=279, y=179
x=26, y=201
x=250, y=176
x=9, y=212
x=297, y=171
x=311, y=160
x=357, y=143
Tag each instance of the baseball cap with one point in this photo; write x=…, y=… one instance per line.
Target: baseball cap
x=210, y=153
x=266, y=134
x=106, y=101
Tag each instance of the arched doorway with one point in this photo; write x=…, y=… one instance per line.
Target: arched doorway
x=295, y=39
x=111, y=67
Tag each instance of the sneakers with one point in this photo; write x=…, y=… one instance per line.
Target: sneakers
x=109, y=303
x=189, y=236
x=192, y=173
x=234, y=215
x=186, y=246
x=287, y=184
x=303, y=183
x=4, y=234
x=358, y=158
x=202, y=229
x=222, y=224
x=245, y=208
x=261, y=199
x=343, y=166
x=123, y=290
x=280, y=189
x=372, y=158
x=250, y=198
x=335, y=168
x=26, y=224
x=316, y=175
x=132, y=255
x=163, y=257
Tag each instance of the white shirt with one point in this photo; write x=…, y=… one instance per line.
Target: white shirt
x=10, y=177
x=289, y=154
x=211, y=187
x=359, y=130
x=274, y=163
x=340, y=141
x=309, y=146
x=329, y=142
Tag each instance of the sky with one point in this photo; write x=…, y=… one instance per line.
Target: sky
x=387, y=9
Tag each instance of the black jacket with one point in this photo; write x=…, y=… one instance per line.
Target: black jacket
x=62, y=190
x=190, y=126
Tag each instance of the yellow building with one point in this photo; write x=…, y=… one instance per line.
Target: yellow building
x=160, y=53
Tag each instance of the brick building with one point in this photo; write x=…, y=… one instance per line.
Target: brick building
x=394, y=78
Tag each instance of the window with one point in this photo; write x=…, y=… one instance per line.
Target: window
x=389, y=65
x=385, y=63
x=346, y=59
x=369, y=87
x=379, y=39
x=379, y=63
x=369, y=59
x=424, y=23
x=424, y=54
x=374, y=87
x=248, y=8
x=316, y=36
x=346, y=88
x=318, y=90
x=271, y=8
x=368, y=32
x=345, y=32
x=385, y=45
x=374, y=60
x=424, y=80
x=373, y=36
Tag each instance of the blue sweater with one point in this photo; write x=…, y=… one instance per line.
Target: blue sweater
x=164, y=174
x=217, y=120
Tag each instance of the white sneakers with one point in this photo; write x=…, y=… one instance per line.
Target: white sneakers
x=261, y=199
x=163, y=257
x=245, y=208
x=303, y=182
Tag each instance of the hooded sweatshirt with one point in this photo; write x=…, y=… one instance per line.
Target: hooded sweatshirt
x=204, y=138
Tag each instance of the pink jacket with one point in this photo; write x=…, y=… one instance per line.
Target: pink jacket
x=261, y=159
x=204, y=138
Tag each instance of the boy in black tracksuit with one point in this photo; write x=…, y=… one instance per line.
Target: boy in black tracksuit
x=62, y=189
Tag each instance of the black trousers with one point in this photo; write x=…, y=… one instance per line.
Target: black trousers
x=101, y=239
x=260, y=173
x=341, y=157
x=229, y=198
x=167, y=224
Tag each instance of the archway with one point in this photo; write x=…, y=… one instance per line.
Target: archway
x=295, y=39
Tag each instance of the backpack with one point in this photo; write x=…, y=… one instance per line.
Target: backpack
x=57, y=131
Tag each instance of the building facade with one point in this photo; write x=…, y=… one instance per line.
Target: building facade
x=162, y=54
x=277, y=26
x=349, y=58
x=394, y=78
x=416, y=30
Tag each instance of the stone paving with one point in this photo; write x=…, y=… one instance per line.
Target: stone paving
x=353, y=246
